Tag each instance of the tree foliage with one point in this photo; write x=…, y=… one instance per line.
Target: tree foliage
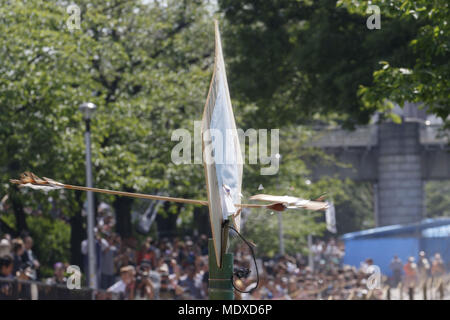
x=304, y=61
x=147, y=66
x=437, y=199
x=425, y=79
x=144, y=65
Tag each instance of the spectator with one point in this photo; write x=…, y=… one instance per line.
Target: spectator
x=6, y=271
x=169, y=288
x=155, y=279
x=146, y=252
x=410, y=269
x=98, y=254
x=144, y=286
x=6, y=266
x=423, y=266
x=5, y=247
x=437, y=266
x=125, y=285
x=192, y=283
x=58, y=275
x=397, y=267
x=29, y=258
x=366, y=264
x=107, y=267
x=18, y=250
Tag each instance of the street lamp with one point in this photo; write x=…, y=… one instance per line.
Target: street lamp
x=88, y=109
x=280, y=218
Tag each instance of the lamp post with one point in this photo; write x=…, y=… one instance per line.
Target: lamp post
x=280, y=217
x=88, y=109
x=310, y=252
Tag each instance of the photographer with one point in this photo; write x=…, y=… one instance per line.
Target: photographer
x=169, y=288
x=143, y=287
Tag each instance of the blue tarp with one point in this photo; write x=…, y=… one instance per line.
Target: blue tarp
x=399, y=230
x=381, y=244
x=380, y=250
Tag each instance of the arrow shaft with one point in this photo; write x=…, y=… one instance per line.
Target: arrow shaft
x=138, y=195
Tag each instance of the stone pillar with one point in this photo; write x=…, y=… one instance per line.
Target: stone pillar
x=400, y=187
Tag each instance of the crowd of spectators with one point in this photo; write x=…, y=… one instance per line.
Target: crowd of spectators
x=18, y=258
x=293, y=278
x=177, y=268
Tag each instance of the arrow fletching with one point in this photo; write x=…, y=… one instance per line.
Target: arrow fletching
x=30, y=180
x=289, y=202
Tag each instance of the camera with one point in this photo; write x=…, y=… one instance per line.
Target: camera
x=28, y=269
x=142, y=275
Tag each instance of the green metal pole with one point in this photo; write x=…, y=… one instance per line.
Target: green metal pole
x=220, y=286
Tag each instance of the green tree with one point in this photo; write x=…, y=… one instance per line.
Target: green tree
x=293, y=178
x=355, y=209
x=425, y=79
x=437, y=199
x=305, y=61
x=146, y=66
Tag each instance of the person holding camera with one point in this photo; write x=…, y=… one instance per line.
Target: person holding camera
x=169, y=288
x=143, y=289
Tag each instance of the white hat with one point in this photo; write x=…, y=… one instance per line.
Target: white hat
x=5, y=247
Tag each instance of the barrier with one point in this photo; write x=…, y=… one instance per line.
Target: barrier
x=15, y=289
x=430, y=289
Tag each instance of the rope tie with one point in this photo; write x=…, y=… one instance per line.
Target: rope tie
x=243, y=272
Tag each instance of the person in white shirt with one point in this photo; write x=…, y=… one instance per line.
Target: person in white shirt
x=122, y=287
x=107, y=256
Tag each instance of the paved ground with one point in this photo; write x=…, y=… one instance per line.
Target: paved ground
x=432, y=294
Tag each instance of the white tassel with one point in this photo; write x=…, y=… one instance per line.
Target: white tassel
x=40, y=187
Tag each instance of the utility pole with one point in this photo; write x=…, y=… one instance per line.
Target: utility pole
x=310, y=254
x=88, y=109
x=280, y=217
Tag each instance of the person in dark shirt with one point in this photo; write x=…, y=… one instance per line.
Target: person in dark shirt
x=6, y=270
x=28, y=257
x=18, y=250
x=191, y=284
x=397, y=268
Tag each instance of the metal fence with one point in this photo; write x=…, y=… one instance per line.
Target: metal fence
x=14, y=289
x=431, y=289
x=436, y=288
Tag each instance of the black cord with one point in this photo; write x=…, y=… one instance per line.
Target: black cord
x=243, y=272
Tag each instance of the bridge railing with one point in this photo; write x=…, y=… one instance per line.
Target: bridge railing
x=433, y=134
x=336, y=137
x=367, y=136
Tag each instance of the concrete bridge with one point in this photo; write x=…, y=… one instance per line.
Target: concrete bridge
x=396, y=158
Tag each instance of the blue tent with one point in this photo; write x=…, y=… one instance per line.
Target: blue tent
x=383, y=243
